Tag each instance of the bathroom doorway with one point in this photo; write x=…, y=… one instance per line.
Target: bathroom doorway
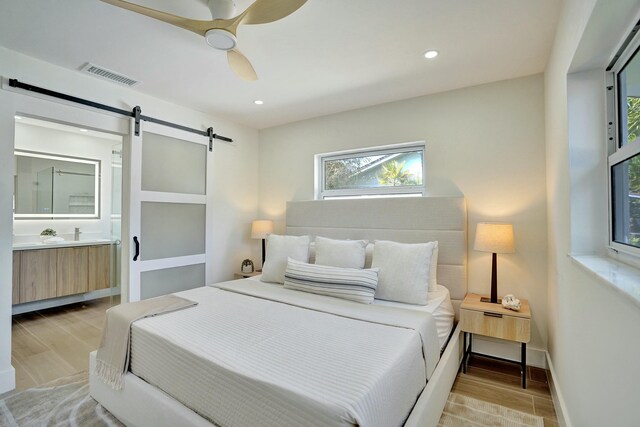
x=66, y=245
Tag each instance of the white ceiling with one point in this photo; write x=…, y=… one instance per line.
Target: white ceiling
x=329, y=56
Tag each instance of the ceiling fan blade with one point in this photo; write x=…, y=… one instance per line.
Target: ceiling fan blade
x=198, y=27
x=265, y=11
x=241, y=65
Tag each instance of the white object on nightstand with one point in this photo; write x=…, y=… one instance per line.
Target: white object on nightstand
x=511, y=302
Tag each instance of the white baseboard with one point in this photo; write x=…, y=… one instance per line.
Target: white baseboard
x=558, y=401
x=7, y=379
x=509, y=350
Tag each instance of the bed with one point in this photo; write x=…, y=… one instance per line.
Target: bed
x=262, y=377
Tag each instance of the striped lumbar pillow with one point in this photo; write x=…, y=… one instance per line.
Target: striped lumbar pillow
x=347, y=283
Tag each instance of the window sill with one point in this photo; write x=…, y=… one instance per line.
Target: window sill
x=621, y=277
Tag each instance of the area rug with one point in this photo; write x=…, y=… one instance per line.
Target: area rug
x=64, y=402
x=463, y=411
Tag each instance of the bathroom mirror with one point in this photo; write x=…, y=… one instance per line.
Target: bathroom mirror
x=54, y=186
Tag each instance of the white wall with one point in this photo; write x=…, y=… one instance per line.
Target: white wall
x=593, y=330
x=232, y=188
x=486, y=142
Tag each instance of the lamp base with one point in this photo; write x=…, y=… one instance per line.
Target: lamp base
x=487, y=299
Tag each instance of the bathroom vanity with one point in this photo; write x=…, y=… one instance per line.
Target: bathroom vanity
x=69, y=180
x=50, y=271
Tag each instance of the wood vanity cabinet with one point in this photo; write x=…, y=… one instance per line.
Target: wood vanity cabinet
x=49, y=273
x=72, y=275
x=37, y=274
x=99, y=267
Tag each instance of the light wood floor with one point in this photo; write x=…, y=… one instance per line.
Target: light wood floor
x=55, y=343
x=500, y=383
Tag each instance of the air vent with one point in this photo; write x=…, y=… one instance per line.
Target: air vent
x=112, y=76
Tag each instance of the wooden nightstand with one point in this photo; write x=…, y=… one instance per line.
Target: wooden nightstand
x=241, y=275
x=493, y=320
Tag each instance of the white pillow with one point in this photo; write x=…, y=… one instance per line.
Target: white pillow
x=405, y=270
x=278, y=250
x=312, y=253
x=368, y=255
x=354, y=284
x=340, y=253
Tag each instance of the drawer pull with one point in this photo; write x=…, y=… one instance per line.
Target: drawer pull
x=498, y=315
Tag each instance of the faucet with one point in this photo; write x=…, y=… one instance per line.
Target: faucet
x=76, y=234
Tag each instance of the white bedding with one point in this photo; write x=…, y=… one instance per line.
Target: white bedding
x=280, y=364
x=438, y=304
x=440, y=307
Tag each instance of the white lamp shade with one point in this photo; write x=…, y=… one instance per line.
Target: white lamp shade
x=261, y=228
x=494, y=237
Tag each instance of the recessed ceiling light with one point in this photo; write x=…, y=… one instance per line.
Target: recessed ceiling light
x=18, y=117
x=83, y=130
x=258, y=102
x=430, y=54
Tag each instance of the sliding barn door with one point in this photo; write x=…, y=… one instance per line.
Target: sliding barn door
x=168, y=211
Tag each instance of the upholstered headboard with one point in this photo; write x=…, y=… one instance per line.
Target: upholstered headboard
x=401, y=219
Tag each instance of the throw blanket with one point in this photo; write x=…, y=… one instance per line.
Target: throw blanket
x=112, y=358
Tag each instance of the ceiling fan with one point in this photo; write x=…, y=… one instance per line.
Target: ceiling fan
x=220, y=33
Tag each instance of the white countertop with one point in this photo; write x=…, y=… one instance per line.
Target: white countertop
x=63, y=244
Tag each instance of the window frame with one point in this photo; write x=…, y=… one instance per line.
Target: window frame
x=616, y=152
x=414, y=190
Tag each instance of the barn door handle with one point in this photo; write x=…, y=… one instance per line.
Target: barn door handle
x=137, y=243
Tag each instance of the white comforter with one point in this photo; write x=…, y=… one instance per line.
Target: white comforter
x=253, y=354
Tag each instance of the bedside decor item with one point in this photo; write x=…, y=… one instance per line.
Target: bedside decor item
x=511, y=302
x=247, y=266
x=260, y=229
x=496, y=238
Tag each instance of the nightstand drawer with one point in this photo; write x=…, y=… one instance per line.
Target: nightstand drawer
x=496, y=325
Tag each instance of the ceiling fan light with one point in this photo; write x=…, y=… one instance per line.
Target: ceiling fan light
x=220, y=39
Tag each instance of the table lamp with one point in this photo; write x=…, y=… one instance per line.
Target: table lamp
x=498, y=239
x=259, y=230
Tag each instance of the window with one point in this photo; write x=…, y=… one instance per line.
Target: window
x=392, y=170
x=624, y=150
